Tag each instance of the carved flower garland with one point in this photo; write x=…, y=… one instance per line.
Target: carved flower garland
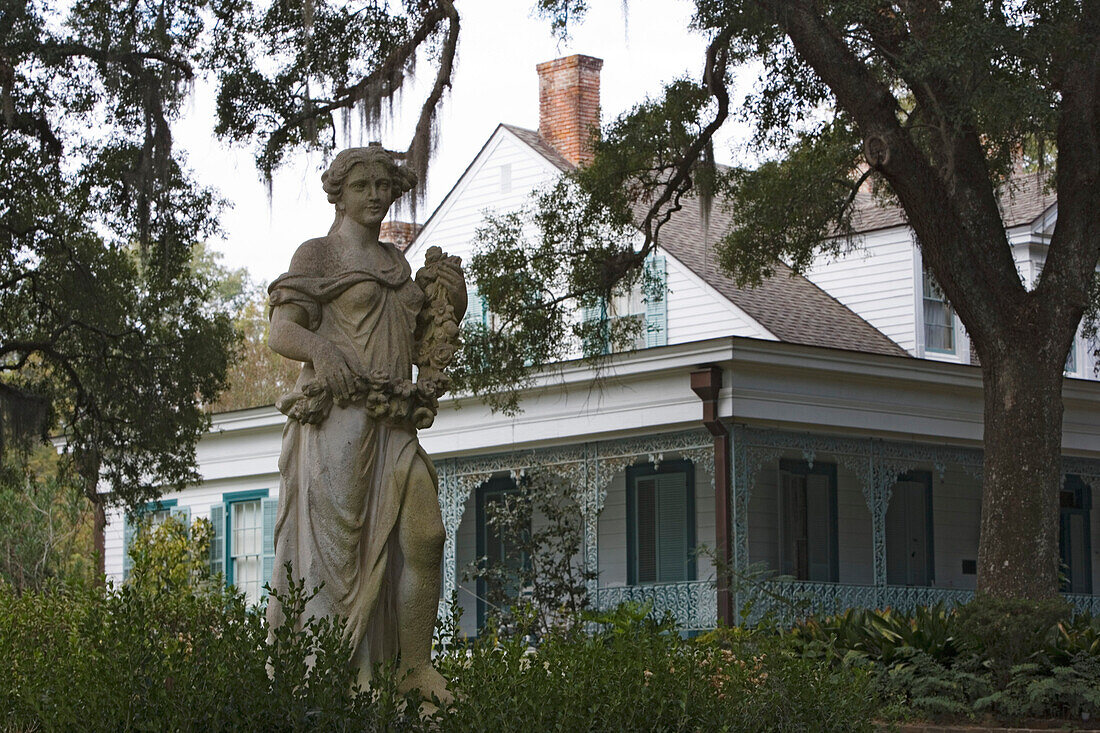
x=394, y=399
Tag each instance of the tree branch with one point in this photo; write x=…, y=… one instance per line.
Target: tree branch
x=965, y=248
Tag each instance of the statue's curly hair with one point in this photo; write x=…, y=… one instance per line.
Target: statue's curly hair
x=332, y=180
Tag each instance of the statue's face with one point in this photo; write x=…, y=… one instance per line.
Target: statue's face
x=367, y=193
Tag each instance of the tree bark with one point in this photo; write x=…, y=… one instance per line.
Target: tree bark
x=1018, y=550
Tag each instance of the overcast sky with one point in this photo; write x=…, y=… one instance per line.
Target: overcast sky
x=494, y=81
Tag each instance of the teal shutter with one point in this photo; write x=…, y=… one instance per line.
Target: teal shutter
x=217, y=541
x=672, y=528
x=184, y=513
x=475, y=308
x=271, y=508
x=127, y=537
x=656, y=303
x=645, y=525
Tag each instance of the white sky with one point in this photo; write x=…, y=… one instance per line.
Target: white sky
x=494, y=81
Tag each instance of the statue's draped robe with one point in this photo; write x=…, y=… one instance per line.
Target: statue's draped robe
x=343, y=480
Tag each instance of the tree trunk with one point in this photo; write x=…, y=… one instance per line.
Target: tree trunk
x=1018, y=550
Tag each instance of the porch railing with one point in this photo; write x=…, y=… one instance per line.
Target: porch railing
x=694, y=604
x=789, y=600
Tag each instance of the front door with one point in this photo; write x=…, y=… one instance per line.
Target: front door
x=909, y=531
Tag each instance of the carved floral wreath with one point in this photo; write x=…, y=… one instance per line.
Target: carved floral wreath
x=393, y=399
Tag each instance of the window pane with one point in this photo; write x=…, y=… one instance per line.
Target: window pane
x=246, y=547
x=939, y=318
x=818, y=524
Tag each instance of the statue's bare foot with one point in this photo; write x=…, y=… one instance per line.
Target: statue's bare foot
x=429, y=682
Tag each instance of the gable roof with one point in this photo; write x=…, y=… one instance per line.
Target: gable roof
x=790, y=306
x=1022, y=200
x=786, y=303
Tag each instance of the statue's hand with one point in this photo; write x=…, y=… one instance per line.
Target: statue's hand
x=332, y=369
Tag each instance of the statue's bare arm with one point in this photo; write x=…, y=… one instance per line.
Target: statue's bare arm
x=290, y=336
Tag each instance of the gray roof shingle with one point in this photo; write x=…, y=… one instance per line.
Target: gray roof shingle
x=1023, y=200
x=786, y=304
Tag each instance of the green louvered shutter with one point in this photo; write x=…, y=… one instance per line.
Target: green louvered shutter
x=217, y=541
x=271, y=508
x=645, y=523
x=656, y=303
x=672, y=528
x=128, y=529
x=475, y=308
x=184, y=513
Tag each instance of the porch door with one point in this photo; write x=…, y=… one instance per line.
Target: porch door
x=808, y=521
x=909, y=531
x=660, y=523
x=1074, y=542
x=493, y=546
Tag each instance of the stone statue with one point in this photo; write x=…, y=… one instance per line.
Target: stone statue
x=358, y=504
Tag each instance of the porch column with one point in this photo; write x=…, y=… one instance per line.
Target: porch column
x=707, y=384
x=882, y=479
x=591, y=498
x=454, y=491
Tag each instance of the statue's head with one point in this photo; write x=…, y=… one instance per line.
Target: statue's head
x=373, y=162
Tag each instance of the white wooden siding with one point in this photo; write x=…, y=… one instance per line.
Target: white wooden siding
x=956, y=515
x=876, y=280
x=695, y=310
x=198, y=498
x=454, y=224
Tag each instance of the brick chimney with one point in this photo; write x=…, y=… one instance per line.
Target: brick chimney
x=400, y=233
x=569, y=105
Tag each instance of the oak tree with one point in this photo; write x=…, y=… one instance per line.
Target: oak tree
x=932, y=104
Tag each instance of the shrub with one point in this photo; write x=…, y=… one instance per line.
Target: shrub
x=638, y=674
x=543, y=563
x=878, y=636
x=1007, y=632
x=170, y=556
x=128, y=659
x=992, y=658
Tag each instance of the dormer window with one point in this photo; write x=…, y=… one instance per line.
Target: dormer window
x=939, y=318
x=1071, y=358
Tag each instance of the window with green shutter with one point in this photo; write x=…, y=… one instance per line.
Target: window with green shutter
x=660, y=508
x=595, y=323
x=644, y=308
x=476, y=312
x=496, y=549
x=655, y=292
x=156, y=512
x=243, y=546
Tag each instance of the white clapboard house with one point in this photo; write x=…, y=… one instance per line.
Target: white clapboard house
x=826, y=426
